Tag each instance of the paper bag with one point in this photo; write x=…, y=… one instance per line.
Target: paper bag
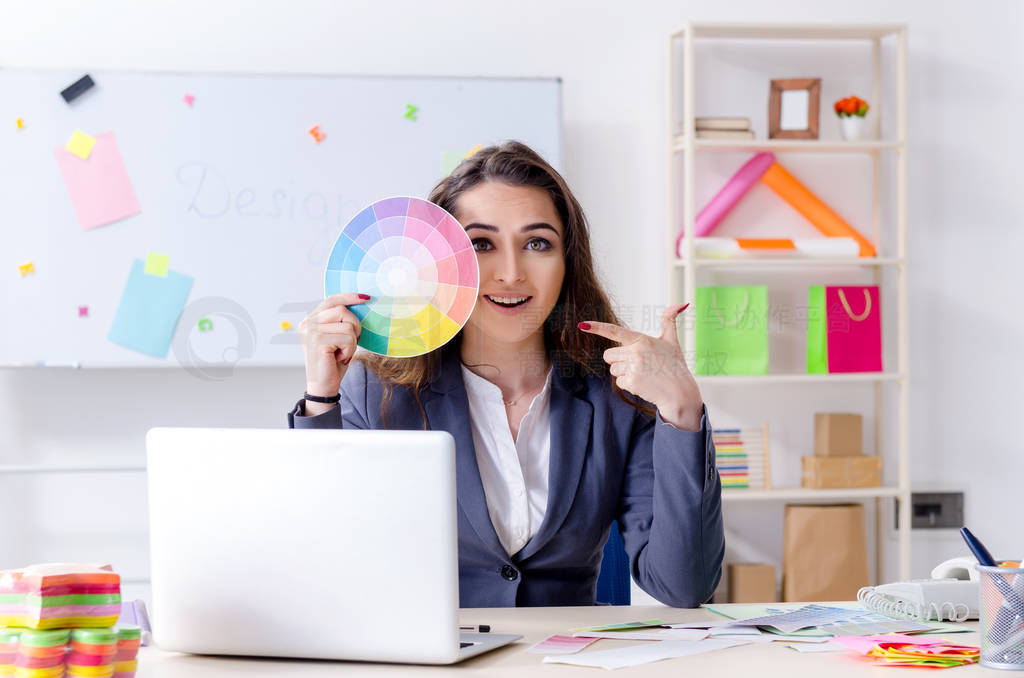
x=732, y=329
x=844, y=329
x=825, y=554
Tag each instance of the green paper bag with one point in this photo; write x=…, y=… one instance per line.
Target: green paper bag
x=817, y=331
x=732, y=329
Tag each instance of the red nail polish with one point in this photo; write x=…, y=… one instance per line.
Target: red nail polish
x=364, y=296
x=584, y=326
x=684, y=307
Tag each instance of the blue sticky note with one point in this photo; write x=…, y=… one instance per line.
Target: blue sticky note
x=149, y=310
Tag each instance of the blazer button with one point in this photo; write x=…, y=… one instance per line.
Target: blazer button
x=509, y=572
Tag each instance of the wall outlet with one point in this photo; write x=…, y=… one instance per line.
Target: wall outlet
x=934, y=510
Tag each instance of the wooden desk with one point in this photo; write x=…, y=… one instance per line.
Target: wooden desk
x=535, y=624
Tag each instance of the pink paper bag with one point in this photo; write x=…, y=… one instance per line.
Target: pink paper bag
x=854, y=329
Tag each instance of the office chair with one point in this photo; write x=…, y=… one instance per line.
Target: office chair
x=613, y=578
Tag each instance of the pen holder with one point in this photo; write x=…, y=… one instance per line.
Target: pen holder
x=1002, y=617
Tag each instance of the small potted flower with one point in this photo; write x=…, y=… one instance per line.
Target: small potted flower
x=851, y=112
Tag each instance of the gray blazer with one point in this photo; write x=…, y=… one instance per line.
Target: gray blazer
x=608, y=462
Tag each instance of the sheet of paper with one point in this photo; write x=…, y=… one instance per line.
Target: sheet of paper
x=701, y=624
x=625, y=626
x=815, y=647
x=734, y=631
x=643, y=654
x=101, y=191
x=652, y=634
x=556, y=644
x=149, y=311
x=802, y=618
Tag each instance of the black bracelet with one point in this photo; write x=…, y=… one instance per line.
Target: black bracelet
x=321, y=399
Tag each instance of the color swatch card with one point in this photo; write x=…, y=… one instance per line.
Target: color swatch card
x=149, y=310
x=419, y=268
x=100, y=189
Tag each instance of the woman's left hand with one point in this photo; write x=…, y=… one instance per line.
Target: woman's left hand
x=654, y=369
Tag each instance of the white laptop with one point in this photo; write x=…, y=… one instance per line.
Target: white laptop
x=317, y=544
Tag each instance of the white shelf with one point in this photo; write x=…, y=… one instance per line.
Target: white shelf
x=771, y=31
x=681, y=144
x=798, y=378
x=790, y=262
x=888, y=232
x=805, y=494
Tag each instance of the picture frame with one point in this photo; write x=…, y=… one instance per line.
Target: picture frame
x=794, y=105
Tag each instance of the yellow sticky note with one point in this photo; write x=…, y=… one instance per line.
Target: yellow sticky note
x=156, y=264
x=20, y=123
x=285, y=325
x=473, y=151
x=81, y=144
x=25, y=269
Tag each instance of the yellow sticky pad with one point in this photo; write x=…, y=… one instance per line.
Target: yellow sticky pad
x=156, y=264
x=285, y=325
x=25, y=269
x=81, y=144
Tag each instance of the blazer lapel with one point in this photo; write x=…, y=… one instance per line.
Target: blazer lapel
x=447, y=409
x=571, y=419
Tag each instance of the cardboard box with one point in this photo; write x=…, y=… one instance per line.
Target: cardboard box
x=834, y=472
x=752, y=583
x=838, y=435
x=825, y=555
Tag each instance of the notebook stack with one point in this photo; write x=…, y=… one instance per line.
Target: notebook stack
x=724, y=128
x=58, y=620
x=60, y=596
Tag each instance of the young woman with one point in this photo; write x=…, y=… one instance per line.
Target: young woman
x=563, y=420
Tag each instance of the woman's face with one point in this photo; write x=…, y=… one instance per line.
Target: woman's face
x=518, y=238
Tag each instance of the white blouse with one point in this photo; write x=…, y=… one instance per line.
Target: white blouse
x=514, y=472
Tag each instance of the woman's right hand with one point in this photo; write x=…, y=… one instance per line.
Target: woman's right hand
x=329, y=337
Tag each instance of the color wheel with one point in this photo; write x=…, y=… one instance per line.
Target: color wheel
x=419, y=268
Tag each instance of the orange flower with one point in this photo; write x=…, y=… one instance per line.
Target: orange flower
x=851, y=105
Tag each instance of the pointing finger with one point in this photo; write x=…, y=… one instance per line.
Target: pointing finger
x=610, y=331
x=668, y=322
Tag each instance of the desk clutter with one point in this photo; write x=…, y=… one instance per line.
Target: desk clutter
x=58, y=620
x=860, y=635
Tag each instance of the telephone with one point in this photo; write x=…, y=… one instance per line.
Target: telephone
x=951, y=594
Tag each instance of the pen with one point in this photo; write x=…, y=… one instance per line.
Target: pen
x=1012, y=606
x=483, y=628
x=977, y=548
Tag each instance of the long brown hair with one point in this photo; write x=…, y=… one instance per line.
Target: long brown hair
x=574, y=353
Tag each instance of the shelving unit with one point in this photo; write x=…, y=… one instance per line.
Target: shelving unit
x=684, y=271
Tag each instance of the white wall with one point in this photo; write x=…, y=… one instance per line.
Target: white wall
x=965, y=214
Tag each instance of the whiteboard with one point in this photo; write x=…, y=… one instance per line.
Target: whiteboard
x=233, y=188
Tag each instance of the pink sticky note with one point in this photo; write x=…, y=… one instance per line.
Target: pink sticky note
x=557, y=644
x=188, y=99
x=100, y=189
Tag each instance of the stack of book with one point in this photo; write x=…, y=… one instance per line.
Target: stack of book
x=724, y=128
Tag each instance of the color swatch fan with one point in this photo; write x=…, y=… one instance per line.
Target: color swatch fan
x=419, y=268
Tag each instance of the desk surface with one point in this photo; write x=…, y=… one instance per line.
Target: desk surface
x=536, y=624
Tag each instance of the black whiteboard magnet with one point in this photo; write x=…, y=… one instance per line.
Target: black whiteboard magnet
x=76, y=89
